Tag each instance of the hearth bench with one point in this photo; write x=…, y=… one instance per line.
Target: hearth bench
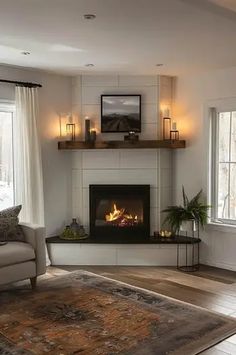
x=129, y=251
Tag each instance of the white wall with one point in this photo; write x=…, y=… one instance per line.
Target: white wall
x=121, y=166
x=87, y=90
x=55, y=98
x=193, y=95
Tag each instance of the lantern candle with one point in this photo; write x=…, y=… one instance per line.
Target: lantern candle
x=166, y=128
x=174, y=133
x=87, y=129
x=70, y=131
x=93, y=135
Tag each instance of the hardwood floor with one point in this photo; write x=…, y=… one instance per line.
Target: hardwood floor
x=210, y=288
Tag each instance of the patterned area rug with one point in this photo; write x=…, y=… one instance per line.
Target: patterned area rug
x=83, y=313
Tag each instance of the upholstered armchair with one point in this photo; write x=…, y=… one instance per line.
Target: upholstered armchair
x=24, y=260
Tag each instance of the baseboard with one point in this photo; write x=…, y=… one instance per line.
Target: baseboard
x=220, y=265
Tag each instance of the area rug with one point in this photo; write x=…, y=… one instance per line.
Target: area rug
x=83, y=313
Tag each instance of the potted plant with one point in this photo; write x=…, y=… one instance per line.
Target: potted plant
x=193, y=211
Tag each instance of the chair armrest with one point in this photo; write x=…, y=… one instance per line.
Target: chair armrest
x=35, y=235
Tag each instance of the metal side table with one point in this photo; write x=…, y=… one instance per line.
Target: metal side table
x=190, y=252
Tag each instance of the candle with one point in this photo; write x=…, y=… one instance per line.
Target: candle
x=87, y=129
x=70, y=130
x=93, y=135
x=166, y=112
x=166, y=126
x=174, y=135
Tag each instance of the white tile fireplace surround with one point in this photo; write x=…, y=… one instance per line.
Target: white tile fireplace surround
x=120, y=166
x=152, y=167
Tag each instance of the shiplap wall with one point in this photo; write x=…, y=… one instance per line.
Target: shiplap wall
x=152, y=167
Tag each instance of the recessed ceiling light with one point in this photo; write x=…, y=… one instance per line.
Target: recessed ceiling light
x=25, y=53
x=159, y=65
x=89, y=16
x=89, y=65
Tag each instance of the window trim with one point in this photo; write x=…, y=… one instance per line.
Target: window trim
x=213, y=176
x=214, y=167
x=9, y=106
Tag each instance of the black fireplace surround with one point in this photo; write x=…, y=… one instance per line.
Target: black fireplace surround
x=119, y=212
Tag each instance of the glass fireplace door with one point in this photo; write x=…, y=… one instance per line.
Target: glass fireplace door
x=119, y=210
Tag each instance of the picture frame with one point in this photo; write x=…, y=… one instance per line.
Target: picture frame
x=120, y=113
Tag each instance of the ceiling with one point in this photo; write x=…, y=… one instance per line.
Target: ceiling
x=127, y=36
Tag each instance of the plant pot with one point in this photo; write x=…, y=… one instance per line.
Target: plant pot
x=188, y=226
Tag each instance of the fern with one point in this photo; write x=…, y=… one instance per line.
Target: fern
x=192, y=209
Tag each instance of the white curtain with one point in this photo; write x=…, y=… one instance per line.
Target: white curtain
x=27, y=157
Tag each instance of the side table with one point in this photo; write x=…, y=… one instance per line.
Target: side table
x=191, y=253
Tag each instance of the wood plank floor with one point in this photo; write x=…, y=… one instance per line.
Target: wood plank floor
x=210, y=288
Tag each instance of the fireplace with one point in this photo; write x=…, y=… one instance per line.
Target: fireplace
x=120, y=212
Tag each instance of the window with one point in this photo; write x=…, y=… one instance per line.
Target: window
x=6, y=156
x=223, y=177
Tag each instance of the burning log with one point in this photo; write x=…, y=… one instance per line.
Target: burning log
x=119, y=217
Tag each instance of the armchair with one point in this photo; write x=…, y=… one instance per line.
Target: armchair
x=24, y=260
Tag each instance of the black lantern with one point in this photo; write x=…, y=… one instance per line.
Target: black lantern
x=87, y=129
x=93, y=135
x=70, y=131
x=174, y=135
x=166, y=128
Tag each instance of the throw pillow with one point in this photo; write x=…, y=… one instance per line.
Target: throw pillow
x=9, y=227
x=11, y=211
x=7, y=224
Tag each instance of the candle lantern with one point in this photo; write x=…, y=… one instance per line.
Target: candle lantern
x=70, y=131
x=87, y=129
x=174, y=133
x=166, y=128
x=93, y=135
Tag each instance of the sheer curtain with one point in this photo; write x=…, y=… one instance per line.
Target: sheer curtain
x=27, y=157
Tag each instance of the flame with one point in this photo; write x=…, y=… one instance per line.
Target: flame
x=115, y=214
x=122, y=218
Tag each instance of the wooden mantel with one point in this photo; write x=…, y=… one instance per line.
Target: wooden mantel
x=145, y=144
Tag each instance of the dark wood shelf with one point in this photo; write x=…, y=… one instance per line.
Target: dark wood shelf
x=152, y=240
x=146, y=144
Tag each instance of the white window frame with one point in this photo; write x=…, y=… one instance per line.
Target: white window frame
x=9, y=106
x=214, y=163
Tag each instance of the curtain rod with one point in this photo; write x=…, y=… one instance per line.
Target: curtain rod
x=21, y=83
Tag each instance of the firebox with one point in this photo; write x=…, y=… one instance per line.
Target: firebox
x=119, y=211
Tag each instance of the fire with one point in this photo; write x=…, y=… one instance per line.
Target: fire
x=115, y=214
x=120, y=217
